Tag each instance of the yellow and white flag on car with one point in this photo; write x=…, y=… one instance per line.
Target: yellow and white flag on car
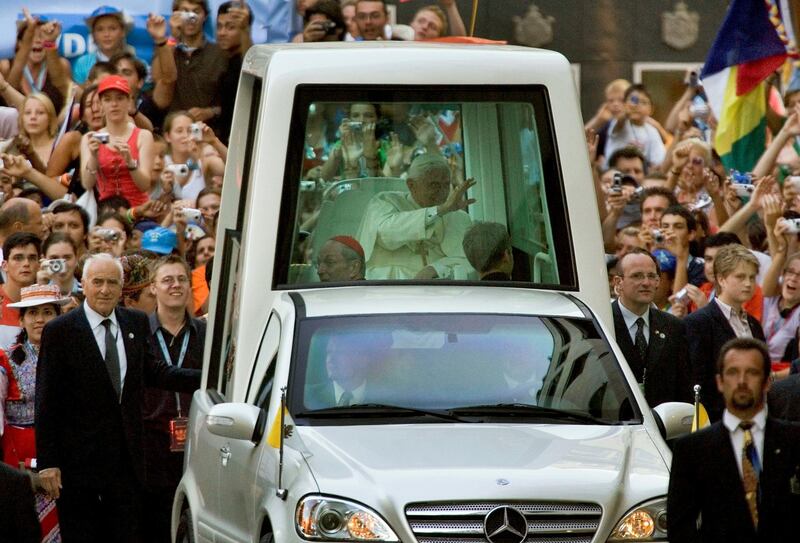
x=274, y=435
x=700, y=419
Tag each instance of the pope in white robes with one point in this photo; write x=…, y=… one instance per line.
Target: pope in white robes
x=418, y=234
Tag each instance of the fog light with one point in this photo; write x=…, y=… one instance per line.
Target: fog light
x=637, y=525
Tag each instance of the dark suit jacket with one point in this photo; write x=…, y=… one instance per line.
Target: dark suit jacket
x=18, y=521
x=323, y=395
x=668, y=378
x=705, y=481
x=707, y=331
x=784, y=398
x=81, y=426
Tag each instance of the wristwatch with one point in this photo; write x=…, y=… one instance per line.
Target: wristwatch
x=133, y=165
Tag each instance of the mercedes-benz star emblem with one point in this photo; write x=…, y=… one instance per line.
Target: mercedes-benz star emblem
x=505, y=524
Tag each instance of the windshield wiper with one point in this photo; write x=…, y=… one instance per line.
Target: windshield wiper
x=526, y=409
x=379, y=409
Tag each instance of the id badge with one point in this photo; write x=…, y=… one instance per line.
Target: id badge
x=177, y=433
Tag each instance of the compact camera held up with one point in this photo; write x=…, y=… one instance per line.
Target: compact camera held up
x=196, y=131
x=189, y=17
x=54, y=265
x=180, y=170
x=191, y=214
x=102, y=137
x=793, y=226
x=108, y=234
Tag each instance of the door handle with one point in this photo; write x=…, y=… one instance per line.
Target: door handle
x=225, y=454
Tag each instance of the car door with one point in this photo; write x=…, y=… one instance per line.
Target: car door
x=204, y=456
x=239, y=489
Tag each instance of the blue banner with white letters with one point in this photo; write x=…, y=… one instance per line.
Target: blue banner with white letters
x=274, y=21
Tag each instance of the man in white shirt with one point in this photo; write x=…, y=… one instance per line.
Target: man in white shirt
x=653, y=341
x=418, y=234
x=739, y=476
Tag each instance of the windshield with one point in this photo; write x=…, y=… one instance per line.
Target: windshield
x=460, y=185
x=467, y=366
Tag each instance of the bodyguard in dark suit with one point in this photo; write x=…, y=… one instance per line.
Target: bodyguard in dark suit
x=784, y=398
x=722, y=319
x=93, y=365
x=18, y=521
x=739, y=476
x=350, y=357
x=656, y=354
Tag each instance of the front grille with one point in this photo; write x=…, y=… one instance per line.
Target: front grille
x=548, y=522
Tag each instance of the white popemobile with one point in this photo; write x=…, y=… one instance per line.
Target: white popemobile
x=444, y=410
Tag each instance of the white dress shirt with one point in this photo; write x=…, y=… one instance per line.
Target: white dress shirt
x=630, y=319
x=358, y=393
x=99, y=331
x=731, y=422
x=738, y=321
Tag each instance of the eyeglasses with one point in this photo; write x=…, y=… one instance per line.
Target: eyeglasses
x=375, y=16
x=790, y=273
x=169, y=280
x=639, y=277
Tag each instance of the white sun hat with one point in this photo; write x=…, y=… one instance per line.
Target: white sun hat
x=40, y=295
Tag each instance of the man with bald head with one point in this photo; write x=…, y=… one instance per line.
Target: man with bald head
x=20, y=215
x=418, y=234
x=341, y=258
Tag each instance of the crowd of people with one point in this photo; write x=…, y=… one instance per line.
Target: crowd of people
x=703, y=269
x=712, y=251
x=110, y=187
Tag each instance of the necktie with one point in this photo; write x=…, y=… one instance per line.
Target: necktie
x=641, y=342
x=751, y=468
x=345, y=399
x=112, y=357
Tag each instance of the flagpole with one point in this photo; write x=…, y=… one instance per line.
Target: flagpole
x=474, y=18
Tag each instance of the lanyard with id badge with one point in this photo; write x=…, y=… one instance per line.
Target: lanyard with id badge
x=177, y=425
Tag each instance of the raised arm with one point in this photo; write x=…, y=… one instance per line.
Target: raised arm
x=58, y=69
x=25, y=45
x=167, y=73
x=790, y=129
x=454, y=19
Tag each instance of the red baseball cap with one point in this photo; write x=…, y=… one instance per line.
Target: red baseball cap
x=113, y=82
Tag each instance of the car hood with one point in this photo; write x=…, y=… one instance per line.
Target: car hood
x=431, y=462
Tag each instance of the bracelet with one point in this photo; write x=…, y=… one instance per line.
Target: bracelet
x=675, y=172
x=48, y=44
x=64, y=180
x=133, y=165
x=162, y=44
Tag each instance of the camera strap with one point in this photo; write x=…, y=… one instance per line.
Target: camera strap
x=168, y=358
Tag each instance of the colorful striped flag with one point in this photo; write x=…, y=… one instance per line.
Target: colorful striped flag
x=751, y=44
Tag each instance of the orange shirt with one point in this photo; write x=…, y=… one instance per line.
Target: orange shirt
x=199, y=289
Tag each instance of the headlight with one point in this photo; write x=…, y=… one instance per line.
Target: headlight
x=320, y=518
x=646, y=522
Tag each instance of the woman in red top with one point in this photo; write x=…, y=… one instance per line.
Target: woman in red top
x=121, y=165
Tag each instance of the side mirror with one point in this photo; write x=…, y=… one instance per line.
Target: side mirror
x=676, y=417
x=233, y=420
